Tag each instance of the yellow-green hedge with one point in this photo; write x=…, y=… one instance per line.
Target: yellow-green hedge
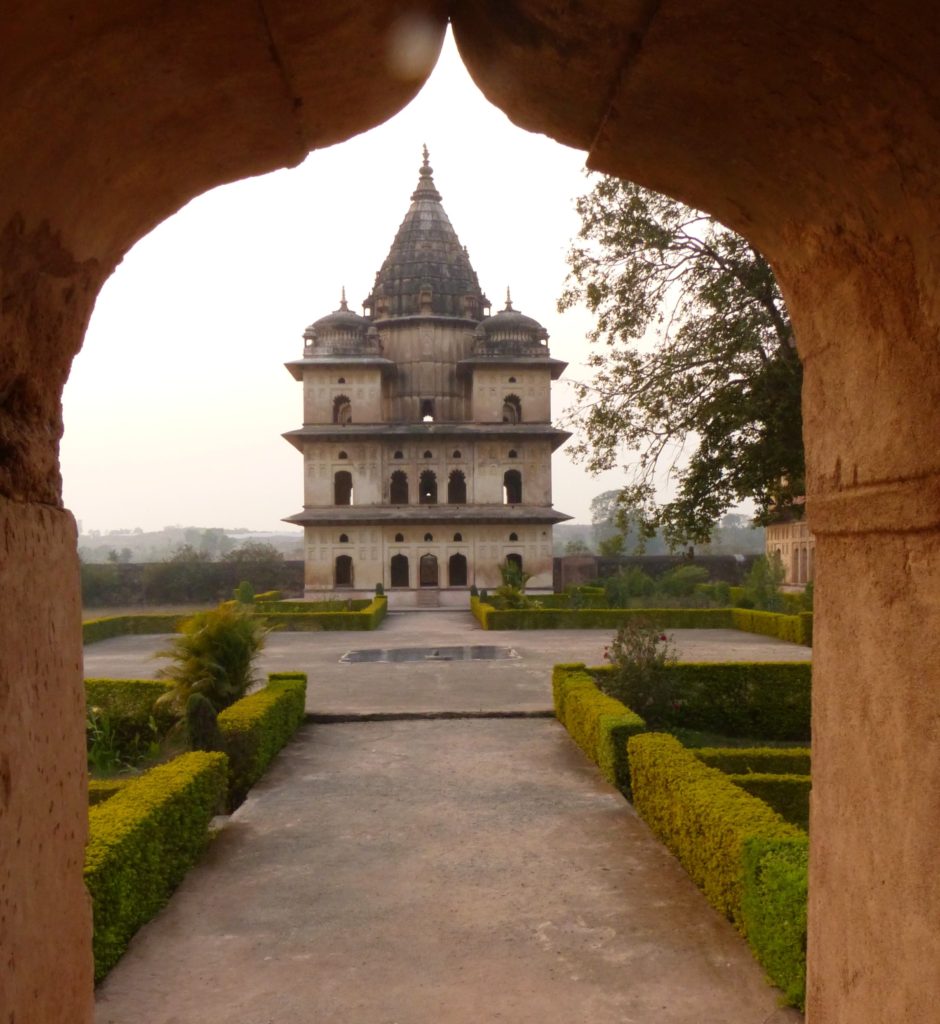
x=129, y=625
x=599, y=724
x=765, y=699
x=256, y=727
x=100, y=790
x=711, y=824
x=143, y=841
x=370, y=616
x=759, y=760
x=788, y=795
x=796, y=629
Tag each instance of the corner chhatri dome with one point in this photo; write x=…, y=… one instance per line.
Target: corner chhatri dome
x=427, y=271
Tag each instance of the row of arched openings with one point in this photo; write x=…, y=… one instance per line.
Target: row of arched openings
x=456, y=488
x=428, y=570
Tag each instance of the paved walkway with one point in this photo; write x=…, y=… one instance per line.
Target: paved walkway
x=428, y=871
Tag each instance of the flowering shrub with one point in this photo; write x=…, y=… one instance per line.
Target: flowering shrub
x=640, y=656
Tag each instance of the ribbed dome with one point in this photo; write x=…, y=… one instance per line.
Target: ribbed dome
x=427, y=271
x=510, y=332
x=339, y=332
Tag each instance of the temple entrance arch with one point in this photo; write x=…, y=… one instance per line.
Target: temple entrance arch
x=427, y=572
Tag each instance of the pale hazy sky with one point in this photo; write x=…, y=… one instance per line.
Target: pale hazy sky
x=176, y=404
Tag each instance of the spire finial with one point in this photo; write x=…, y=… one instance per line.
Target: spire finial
x=426, y=189
x=342, y=300
x=508, y=300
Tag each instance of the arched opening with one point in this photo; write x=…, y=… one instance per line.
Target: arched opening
x=398, y=455
x=427, y=410
x=428, y=537
x=457, y=571
x=398, y=491
x=512, y=487
x=458, y=537
x=512, y=409
x=514, y=536
x=342, y=410
x=513, y=454
x=342, y=455
x=343, y=538
x=428, y=571
x=399, y=570
x=428, y=455
x=342, y=487
x=427, y=488
x=399, y=538
x=455, y=454
x=343, y=571
x=514, y=558
x=457, y=488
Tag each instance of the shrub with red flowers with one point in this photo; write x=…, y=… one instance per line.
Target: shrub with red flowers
x=641, y=656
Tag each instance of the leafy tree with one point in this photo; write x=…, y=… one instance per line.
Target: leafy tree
x=187, y=554
x=762, y=584
x=699, y=359
x=576, y=546
x=254, y=551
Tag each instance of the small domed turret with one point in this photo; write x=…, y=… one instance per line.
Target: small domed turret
x=510, y=332
x=341, y=332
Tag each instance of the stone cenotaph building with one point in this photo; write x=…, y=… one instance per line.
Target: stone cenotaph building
x=427, y=435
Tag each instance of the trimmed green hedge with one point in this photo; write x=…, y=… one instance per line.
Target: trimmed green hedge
x=256, y=727
x=130, y=625
x=143, y=841
x=788, y=795
x=773, y=910
x=759, y=760
x=369, y=616
x=129, y=706
x=100, y=790
x=797, y=629
x=793, y=628
x=769, y=699
x=710, y=824
x=599, y=724
x=310, y=607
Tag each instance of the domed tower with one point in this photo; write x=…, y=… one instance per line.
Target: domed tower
x=427, y=435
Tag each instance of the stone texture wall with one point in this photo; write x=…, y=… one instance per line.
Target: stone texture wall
x=362, y=386
x=531, y=386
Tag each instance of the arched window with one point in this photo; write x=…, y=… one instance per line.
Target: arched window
x=343, y=538
x=455, y=455
x=399, y=538
x=429, y=537
x=513, y=454
x=398, y=455
x=342, y=487
x=343, y=571
x=342, y=380
x=512, y=380
x=512, y=409
x=458, y=537
x=512, y=487
x=457, y=571
x=427, y=488
x=514, y=536
x=399, y=567
x=428, y=455
x=398, y=492
x=428, y=571
x=342, y=410
x=427, y=410
x=342, y=455
x=457, y=488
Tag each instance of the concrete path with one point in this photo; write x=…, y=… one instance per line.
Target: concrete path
x=521, y=684
x=425, y=871
x=420, y=872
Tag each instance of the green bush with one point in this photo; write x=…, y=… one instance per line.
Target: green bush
x=214, y=654
x=773, y=909
x=255, y=728
x=769, y=699
x=245, y=593
x=796, y=629
x=100, y=790
x=681, y=580
x=599, y=724
x=602, y=618
x=129, y=625
x=129, y=705
x=788, y=795
x=762, y=585
x=759, y=760
x=141, y=843
x=202, y=727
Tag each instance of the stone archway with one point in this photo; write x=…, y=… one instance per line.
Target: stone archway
x=809, y=127
x=428, y=571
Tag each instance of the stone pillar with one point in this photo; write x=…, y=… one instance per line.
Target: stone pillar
x=867, y=323
x=45, y=917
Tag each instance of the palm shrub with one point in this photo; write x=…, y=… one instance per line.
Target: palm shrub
x=213, y=655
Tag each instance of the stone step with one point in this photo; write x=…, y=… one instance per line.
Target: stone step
x=428, y=597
